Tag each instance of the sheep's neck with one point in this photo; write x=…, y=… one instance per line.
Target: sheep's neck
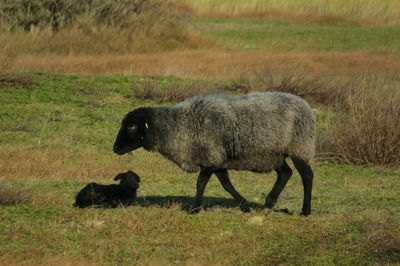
x=164, y=124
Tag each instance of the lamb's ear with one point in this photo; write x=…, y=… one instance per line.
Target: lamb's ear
x=118, y=177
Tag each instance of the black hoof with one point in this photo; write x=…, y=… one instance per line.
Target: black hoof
x=269, y=203
x=244, y=208
x=194, y=210
x=305, y=213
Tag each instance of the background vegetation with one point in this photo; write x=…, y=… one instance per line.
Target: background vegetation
x=56, y=129
x=56, y=134
x=338, y=11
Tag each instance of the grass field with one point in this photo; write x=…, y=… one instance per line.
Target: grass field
x=282, y=37
x=378, y=12
x=56, y=136
x=67, y=80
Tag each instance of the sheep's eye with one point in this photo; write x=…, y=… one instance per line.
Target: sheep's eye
x=131, y=129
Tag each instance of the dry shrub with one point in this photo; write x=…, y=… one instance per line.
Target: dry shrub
x=365, y=128
x=60, y=14
x=7, y=81
x=151, y=88
x=94, y=27
x=316, y=90
x=10, y=195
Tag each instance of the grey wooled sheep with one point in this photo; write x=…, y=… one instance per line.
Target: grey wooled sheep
x=216, y=132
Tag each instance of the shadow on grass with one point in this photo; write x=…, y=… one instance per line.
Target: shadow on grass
x=185, y=202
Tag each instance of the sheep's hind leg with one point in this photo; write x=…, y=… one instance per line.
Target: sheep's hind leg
x=223, y=178
x=307, y=177
x=202, y=181
x=284, y=173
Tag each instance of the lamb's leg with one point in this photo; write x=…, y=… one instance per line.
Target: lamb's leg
x=226, y=183
x=202, y=181
x=307, y=176
x=284, y=173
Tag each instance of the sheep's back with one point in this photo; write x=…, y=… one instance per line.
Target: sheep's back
x=252, y=132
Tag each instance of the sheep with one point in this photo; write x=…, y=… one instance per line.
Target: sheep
x=213, y=133
x=110, y=196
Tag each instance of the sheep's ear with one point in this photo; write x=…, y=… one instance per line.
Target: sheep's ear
x=131, y=128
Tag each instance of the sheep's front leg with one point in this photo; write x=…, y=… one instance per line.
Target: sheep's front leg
x=202, y=181
x=226, y=183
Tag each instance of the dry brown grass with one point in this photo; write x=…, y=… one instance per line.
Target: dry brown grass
x=216, y=64
x=55, y=163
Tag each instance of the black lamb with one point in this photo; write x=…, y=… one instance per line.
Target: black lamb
x=110, y=196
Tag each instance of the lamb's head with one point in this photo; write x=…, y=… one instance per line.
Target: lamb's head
x=128, y=179
x=132, y=132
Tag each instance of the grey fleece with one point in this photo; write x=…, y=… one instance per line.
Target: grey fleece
x=253, y=132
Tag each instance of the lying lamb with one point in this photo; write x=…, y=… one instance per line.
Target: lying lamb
x=110, y=196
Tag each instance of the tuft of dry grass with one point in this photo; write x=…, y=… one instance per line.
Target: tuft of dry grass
x=11, y=195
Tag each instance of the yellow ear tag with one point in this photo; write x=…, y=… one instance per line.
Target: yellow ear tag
x=147, y=126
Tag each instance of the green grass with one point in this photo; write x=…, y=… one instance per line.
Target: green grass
x=282, y=37
x=384, y=11
x=56, y=134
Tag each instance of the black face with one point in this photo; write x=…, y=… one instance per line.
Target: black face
x=128, y=179
x=132, y=132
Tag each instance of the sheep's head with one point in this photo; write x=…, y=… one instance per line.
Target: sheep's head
x=132, y=132
x=128, y=179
